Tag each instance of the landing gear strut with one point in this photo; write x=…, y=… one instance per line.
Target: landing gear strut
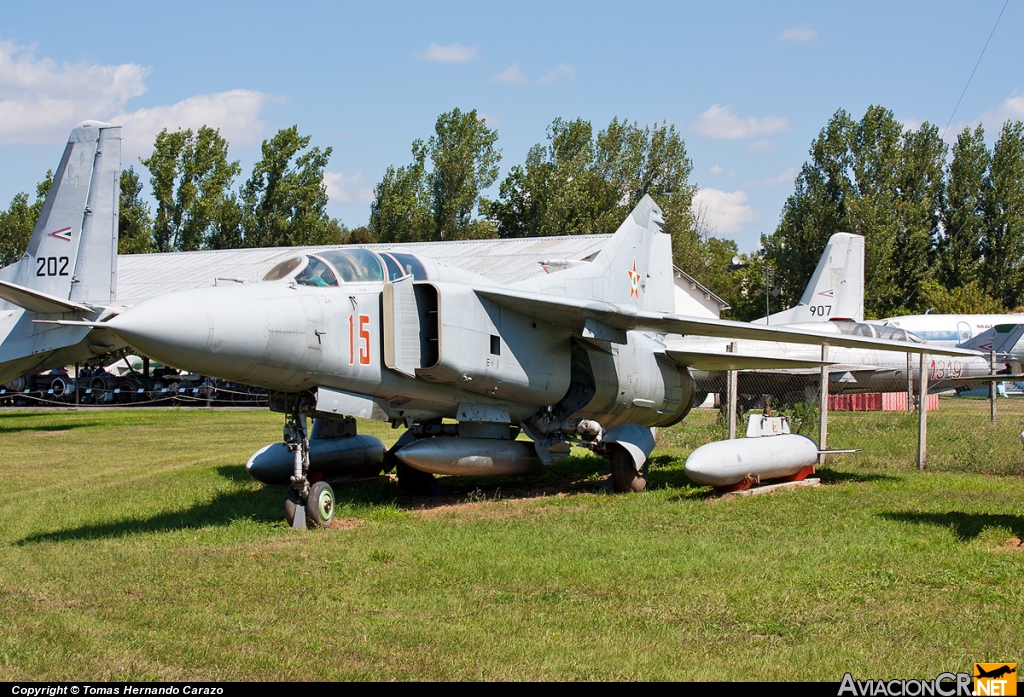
x=305, y=505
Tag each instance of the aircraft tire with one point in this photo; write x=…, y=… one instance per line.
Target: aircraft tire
x=625, y=478
x=320, y=505
x=291, y=502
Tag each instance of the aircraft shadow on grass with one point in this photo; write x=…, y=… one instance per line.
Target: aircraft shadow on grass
x=965, y=526
x=7, y=428
x=261, y=506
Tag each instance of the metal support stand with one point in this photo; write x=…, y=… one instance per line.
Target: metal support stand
x=76, y=386
x=922, y=412
x=910, y=385
x=823, y=406
x=992, y=386
x=731, y=389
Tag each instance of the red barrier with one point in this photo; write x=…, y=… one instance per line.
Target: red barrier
x=875, y=401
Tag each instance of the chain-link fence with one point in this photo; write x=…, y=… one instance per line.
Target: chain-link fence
x=970, y=425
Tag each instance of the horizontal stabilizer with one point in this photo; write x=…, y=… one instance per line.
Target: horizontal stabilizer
x=724, y=360
x=1001, y=338
x=38, y=301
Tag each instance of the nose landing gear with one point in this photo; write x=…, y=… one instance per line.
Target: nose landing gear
x=305, y=505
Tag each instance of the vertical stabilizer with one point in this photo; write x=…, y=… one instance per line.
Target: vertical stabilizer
x=620, y=273
x=836, y=290
x=73, y=250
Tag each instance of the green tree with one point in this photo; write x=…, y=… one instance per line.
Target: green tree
x=579, y=184
x=963, y=215
x=191, y=179
x=413, y=204
x=400, y=211
x=875, y=178
x=285, y=199
x=558, y=190
x=1002, y=268
x=18, y=221
x=134, y=225
x=465, y=163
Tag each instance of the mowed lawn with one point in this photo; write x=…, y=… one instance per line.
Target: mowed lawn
x=133, y=546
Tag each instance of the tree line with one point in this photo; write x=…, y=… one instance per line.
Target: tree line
x=943, y=229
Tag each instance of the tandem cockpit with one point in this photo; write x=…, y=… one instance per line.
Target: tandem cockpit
x=866, y=329
x=333, y=267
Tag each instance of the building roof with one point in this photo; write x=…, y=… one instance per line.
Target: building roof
x=697, y=285
x=142, y=276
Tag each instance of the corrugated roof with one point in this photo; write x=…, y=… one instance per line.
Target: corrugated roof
x=141, y=276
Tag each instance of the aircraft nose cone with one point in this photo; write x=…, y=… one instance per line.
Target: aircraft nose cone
x=175, y=329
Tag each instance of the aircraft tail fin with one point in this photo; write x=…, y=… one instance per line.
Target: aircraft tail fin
x=633, y=268
x=836, y=289
x=1002, y=338
x=72, y=254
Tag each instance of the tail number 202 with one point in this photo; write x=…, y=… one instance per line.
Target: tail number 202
x=52, y=266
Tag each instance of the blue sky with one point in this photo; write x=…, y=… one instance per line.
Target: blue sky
x=748, y=85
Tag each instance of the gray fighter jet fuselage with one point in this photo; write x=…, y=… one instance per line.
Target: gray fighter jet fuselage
x=576, y=356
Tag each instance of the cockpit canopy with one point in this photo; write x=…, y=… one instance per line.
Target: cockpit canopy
x=354, y=265
x=878, y=331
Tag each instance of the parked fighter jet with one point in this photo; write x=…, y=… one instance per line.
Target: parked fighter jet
x=574, y=356
x=834, y=302
x=68, y=270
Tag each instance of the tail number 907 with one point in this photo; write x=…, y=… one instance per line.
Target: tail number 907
x=821, y=310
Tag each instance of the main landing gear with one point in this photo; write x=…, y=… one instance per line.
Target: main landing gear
x=307, y=504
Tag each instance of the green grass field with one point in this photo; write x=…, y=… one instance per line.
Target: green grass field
x=135, y=547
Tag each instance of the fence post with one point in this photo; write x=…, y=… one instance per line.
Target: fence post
x=823, y=405
x=922, y=412
x=992, y=386
x=730, y=394
x=910, y=385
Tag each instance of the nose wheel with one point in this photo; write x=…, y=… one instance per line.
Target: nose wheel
x=305, y=505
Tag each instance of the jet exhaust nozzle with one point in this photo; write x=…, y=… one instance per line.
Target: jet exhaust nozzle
x=729, y=462
x=471, y=456
x=330, y=457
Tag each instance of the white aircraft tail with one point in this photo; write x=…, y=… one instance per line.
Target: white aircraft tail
x=836, y=290
x=1001, y=338
x=633, y=268
x=72, y=254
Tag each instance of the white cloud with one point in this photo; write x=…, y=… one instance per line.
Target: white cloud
x=342, y=189
x=1012, y=109
x=721, y=123
x=761, y=145
x=560, y=71
x=512, y=75
x=41, y=100
x=725, y=213
x=784, y=179
x=802, y=34
x=716, y=169
x=493, y=120
x=235, y=113
x=452, y=53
